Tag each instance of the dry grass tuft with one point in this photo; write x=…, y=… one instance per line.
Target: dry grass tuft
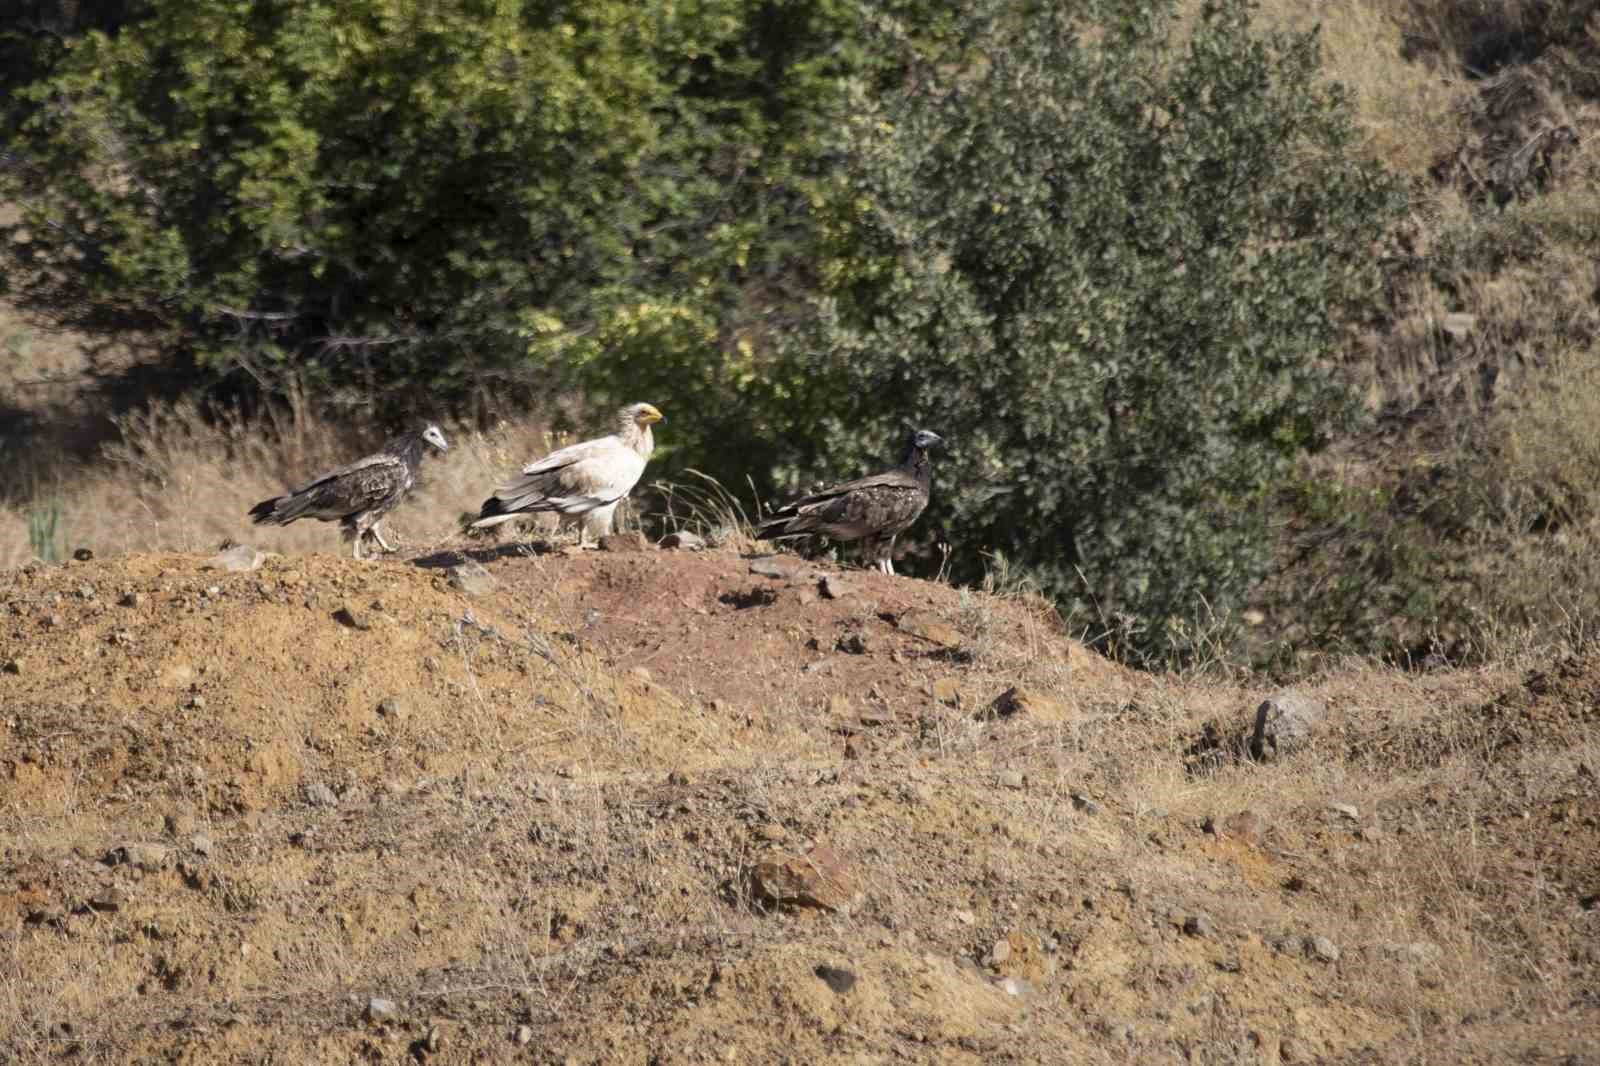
x=704, y=505
x=176, y=479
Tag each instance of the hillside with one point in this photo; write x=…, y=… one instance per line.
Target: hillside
x=649, y=806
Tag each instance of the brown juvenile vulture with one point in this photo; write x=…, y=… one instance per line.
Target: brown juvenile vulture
x=582, y=482
x=875, y=509
x=358, y=495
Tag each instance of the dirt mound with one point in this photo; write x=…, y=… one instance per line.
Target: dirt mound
x=649, y=806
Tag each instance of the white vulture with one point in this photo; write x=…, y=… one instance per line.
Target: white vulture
x=357, y=496
x=583, y=482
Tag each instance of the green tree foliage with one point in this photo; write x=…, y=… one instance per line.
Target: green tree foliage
x=435, y=197
x=1110, y=266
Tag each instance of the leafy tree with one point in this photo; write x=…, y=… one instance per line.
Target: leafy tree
x=1109, y=263
x=399, y=201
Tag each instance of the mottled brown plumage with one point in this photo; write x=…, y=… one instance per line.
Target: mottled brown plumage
x=875, y=509
x=358, y=495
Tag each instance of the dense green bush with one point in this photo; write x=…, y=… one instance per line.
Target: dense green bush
x=381, y=195
x=1110, y=267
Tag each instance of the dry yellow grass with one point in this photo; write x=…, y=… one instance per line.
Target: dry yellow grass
x=179, y=480
x=1408, y=111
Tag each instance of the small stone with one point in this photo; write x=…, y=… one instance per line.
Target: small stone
x=1199, y=925
x=524, y=1035
x=631, y=541
x=320, y=795
x=1416, y=953
x=381, y=1010
x=83, y=555
x=86, y=592
x=965, y=917
x=147, y=857
x=434, y=1040
x=1322, y=949
x=131, y=599
x=239, y=559
x=1011, y=779
x=12, y=666
x=832, y=587
x=678, y=778
x=930, y=628
x=821, y=879
x=683, y=540
x=1247, y=826
x=1345, y=810
x=109, y=898
x=1020, y=702
x=195, y=703
x=471, y=579
x=1459, y=324
x=1084, y=804
x=1000, y=952
x=347, y=616
x=1014, y=986
x=854, y=644
x=392, y=709
x=773, y=567
x=1284, y=724
x=836, y=978
x=201, y=844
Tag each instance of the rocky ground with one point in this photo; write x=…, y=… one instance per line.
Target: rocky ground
x=646, y=806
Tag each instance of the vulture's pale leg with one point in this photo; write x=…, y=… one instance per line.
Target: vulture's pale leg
x=377, y=532
x=355, y=546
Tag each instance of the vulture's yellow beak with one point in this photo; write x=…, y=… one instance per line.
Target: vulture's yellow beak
x=648, y=415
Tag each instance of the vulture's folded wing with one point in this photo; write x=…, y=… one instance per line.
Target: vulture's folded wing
x=361, y=485
x=575, y=479
x=868, y=506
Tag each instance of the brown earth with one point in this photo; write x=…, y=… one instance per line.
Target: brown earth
x=654, y=807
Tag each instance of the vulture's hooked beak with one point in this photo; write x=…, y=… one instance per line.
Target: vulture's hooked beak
x=649, y=415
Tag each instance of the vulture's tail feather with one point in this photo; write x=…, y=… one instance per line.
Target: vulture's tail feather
x=266, y=512
x=492, y=513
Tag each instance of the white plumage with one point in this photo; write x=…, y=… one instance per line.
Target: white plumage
x=583, y=482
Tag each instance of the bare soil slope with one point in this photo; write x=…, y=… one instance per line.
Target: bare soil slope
x=655, y=807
